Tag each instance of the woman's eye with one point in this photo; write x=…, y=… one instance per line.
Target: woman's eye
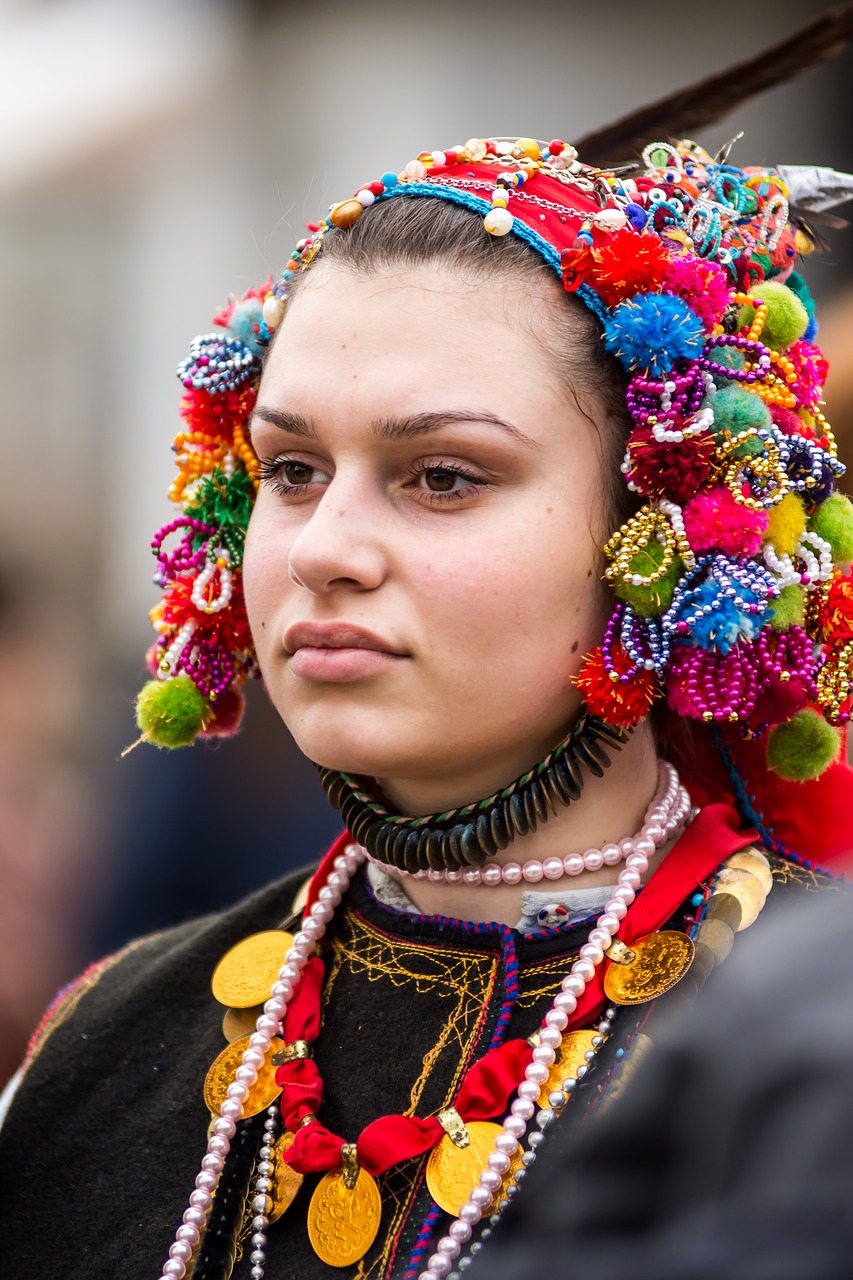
x=440, y=480
x=296, y=473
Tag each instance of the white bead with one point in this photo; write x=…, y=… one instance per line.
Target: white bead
x=439, y=1265
x=573, y=864
x=260, y=1041
x=515, y=1126
x=553, y=868
x=188, y=1232
x=365, y=198
x=266, y=1023
x=566, y=1003
x=532, y=871
x=610, y=921
x=537, y=1072
x=224, y=1127
x=231, y=1110
x=481, y=1197
x=573, y=985
x=584, y=969
x=449, y=1247
x=528, y=1090
x=506, y=1144
x=460, y=1231
x=201, y=1199
x=523, y=1107
x=471, y=875
x=492, y=1178
x=630, y=880
x=498, y=222
x=194, y=1217
x=548, y=1035
x=593, y=859
x=180, y=1249
x=591, y=953
x=206, y=1181
x=556, y=1020
x=491, y=875
x=498, y=1164
x=637, y=862
x=646, y=847
x=470, y=1214
x=175, y=1269
x=544, y=1053
x=246, y=1075
x=212, y=1162
x=512, y=873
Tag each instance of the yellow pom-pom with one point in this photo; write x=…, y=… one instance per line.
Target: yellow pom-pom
x=786, y=524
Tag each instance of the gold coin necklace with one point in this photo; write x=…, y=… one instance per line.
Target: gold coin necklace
x=701, y=852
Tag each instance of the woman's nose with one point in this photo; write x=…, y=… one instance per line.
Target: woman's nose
x=342, y=544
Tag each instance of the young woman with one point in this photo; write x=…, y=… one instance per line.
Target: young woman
x=474, y=371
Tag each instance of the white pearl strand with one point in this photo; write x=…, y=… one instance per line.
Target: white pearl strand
x=267, y=1026
x=515, y=1126
x=658, y=825
x=674, y=808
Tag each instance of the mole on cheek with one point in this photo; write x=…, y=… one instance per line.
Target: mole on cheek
x=575, y=647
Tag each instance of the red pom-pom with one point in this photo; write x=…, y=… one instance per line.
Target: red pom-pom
x=781, y=700
x=835, y=616
x=226, y=716
x=214, y=416
x=674, y=469
x=617, y=703
x=716, y=521
x=629, y=262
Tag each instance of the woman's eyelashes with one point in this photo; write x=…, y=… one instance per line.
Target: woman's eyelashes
x=430, y=482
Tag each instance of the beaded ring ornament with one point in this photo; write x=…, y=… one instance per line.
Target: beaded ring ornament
x=733, y=579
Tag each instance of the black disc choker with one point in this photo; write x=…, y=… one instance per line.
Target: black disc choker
x=468, y=836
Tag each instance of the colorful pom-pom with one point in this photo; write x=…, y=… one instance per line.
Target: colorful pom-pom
x=736, y=409
x=787, y=318
x=786, y=524
x=619, y=703
x=171, y=713
x=835, y=615
x=803, y=747
x=789, y=608
x=833, y=521
x=715, y=521
x=653, y=330
x=649, y=600
x=703, y=285
x=672, y=469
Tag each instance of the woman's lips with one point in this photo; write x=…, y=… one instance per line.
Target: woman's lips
x=337, y=652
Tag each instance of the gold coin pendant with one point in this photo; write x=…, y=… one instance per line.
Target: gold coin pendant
x=574, y=1047
x=342, y=1224
x=661, y=960
x=245, y=974
x=452, y=1172
x=262, y=1093
x=285, y=1181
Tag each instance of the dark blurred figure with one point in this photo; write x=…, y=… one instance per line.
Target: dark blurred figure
x=730, y=1155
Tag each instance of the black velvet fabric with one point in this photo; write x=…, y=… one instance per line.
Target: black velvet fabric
x=103, y=1141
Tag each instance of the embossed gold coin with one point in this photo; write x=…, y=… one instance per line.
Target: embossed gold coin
x=246, y=973
x=240, y=1022
x=285, y=1182
x=342, y=1224
x=263, y=1092
x=572, y=1054
x=452, y=1172
x=662, y=959
x=756, y=863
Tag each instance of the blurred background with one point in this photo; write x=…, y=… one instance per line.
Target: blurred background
x=155, y=156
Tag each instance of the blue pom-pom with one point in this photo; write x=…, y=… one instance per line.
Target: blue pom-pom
x=653, y=330
x=724, y=623
x=247, y=323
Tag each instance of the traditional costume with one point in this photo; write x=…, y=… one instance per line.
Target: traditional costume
x=388, y=1078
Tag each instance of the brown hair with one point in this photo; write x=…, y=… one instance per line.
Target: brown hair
x=418, y=231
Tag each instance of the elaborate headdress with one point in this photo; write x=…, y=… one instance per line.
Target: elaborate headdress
x=733, y=582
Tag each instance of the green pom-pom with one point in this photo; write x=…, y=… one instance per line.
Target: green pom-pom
x=736, y=409
x=803, y=747
x=789, y=609
x=833, y=521
x=729, y=358
x=657, y=597
x=170, y=713
x=787, y=318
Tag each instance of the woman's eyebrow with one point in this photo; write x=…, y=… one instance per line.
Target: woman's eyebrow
x=417, y=424
x=420, y=424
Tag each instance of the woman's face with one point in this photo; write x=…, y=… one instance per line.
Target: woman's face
x=421, y=569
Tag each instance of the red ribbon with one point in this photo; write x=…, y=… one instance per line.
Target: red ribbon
x=490, y=1083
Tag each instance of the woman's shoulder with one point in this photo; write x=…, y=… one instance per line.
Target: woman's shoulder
x=181, y=957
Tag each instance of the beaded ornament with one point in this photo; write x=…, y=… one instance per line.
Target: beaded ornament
x=733, y=578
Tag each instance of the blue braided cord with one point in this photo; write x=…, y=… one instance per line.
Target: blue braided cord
x=585, y=292
x=510, y=984
x=422, y=1243
x=750, y=813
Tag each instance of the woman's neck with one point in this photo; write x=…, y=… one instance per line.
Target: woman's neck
x=609, y=808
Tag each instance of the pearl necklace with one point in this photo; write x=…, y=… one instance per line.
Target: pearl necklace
x=663, y=817
x=515, y=1125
